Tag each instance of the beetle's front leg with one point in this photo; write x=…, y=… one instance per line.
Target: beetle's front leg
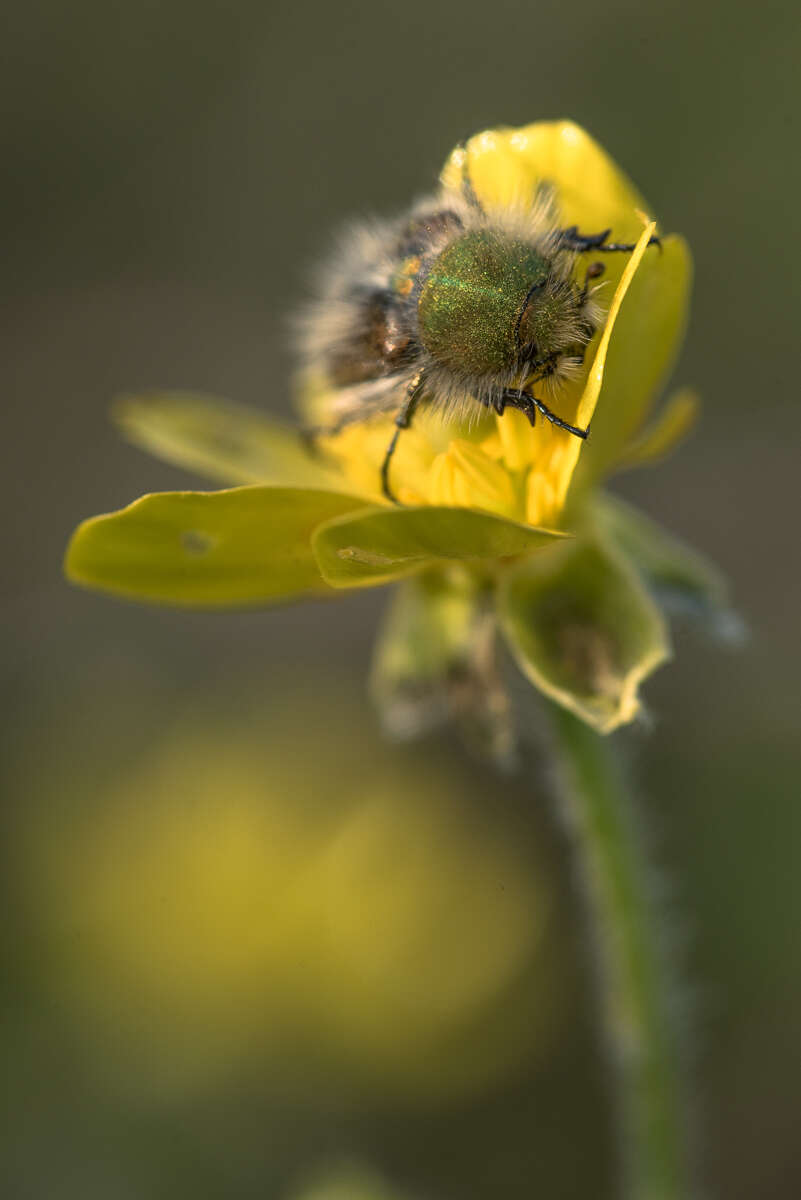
x=531, y=405
x=571, y=239
x=403, y=420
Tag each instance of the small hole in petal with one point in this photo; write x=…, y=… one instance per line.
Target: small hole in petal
x=195, y=541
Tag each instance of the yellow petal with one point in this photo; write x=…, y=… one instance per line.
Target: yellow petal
x=234, y=548
x=359, y=450
x=486, y=483
x=542, y=498
x=223, y=440
x=516, y=438
x=506, y=165
x=442, y=482
x=595, y=379
x=387, y=543
x=647, y=337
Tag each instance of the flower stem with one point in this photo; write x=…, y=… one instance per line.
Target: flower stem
x=632, y=974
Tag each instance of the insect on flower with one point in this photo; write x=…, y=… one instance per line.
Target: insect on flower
x=482, y=299
x=456, y=307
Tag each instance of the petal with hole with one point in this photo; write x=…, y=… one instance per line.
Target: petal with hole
x=242, y=546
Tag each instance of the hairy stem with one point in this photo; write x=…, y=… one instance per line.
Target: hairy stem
x=632, y=974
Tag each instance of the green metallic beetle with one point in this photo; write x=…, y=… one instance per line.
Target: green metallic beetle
x=455, y=307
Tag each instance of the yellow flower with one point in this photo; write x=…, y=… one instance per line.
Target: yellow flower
x=505, y=467
x=486, y=507
x=501, y=464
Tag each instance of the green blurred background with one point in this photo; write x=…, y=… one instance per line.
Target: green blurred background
x=235, y=950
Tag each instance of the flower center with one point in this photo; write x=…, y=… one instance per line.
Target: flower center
x=502, y=465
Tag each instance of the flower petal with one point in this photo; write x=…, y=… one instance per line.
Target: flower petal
x=583, y=629
x=648, y=334
x=358, y=451
x=221, y=439
x=564, y=447
x=377, y=545
x=244, y=546
x=505, y=167
x=595, y=380
x=463, y=475
x=682, y=580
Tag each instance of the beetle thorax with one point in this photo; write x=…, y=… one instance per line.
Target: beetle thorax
x=473, y=300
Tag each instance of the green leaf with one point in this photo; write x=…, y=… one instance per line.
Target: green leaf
x=244, y=546
x=225, y=441
x=648, y=333
x=682, y=580
x=583, y=629
x=377, y=545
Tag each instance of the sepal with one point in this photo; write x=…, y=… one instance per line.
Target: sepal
x=682, y=581
x=435, y=660
x=583, y=629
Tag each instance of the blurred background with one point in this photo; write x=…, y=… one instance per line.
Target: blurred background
x=236, y=952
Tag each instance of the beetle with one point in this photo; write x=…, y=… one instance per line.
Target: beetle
x=456, y=306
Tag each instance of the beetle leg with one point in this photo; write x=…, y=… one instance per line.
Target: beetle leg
x=571, y=239
x=530, y=405
x=403, y=420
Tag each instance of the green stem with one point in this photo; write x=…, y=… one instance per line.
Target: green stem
x=631, y=972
